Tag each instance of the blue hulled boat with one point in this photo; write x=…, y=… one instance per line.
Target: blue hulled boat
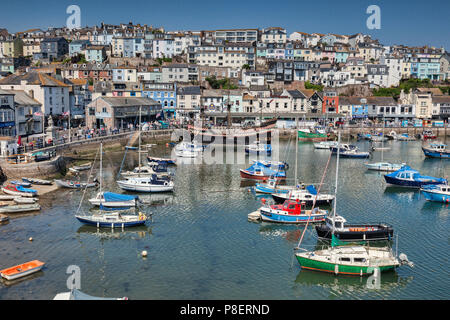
x=436, y=150
x=437, y=193
x=407, y=177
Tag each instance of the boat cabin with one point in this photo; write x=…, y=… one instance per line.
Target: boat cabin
x=292, y=207
x=339, y=222
x=439, y=147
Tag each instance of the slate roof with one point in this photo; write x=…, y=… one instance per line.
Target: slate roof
x=33, y=78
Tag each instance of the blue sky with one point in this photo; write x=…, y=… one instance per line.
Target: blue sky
x=410, y=22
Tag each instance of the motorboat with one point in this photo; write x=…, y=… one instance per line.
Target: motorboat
x=291, y=212
x=349, y=151
x=18, y=191
x=261, y=172
x=325, y=145
x=258, y=148
x=384, y=166
x=436, y=150
x=353, y=232
x=437, y=193
x=407, y=177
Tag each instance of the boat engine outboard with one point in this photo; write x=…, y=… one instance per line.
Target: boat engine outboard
x=404, y=260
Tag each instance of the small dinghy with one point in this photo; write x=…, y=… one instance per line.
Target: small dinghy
x=38, y=181
x=21, y=183
x=22, y=270
x=20, y=208
x=78, y=295
x=82, y=167
x=21, y=200
x=18, y=191
x=6, y=197
x=74, y=184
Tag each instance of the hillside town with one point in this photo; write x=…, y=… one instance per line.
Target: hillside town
x=92, y=77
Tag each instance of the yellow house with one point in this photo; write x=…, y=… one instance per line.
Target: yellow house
x=13, y=48
x=31, y=48
x=406, y=70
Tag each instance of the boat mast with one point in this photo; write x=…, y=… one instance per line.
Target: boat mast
x=139, y=150
x=296, y=152
x=101, y=165
x=336, y=184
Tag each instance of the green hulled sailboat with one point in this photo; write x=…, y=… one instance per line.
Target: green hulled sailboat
x=358, y=260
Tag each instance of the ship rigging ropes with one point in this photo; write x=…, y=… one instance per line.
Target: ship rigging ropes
x=314, y=202
x=87, y=182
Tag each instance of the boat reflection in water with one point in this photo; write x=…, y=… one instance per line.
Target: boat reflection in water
x=398, y=193
x=291, y=233
x=156, y=199
x=139, y=232
x=9, y=283
x=351, y=287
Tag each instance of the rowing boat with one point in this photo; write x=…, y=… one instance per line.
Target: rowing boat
x=20, y=208
x=22, y=270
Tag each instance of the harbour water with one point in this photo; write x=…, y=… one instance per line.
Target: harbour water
x=201, y=246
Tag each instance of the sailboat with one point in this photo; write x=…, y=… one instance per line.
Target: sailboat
x=110, y=199
x=382, y=165
x=114, y=219
x=152, y=183
x=357, y=260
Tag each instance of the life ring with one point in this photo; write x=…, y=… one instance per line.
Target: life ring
x=166, y=183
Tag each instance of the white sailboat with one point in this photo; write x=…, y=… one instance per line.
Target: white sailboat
x=152, y=183
x=110, y=199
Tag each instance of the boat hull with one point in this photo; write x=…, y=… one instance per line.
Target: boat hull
x=281, y=198
x=435, y=154
x=436, y=196
x=27, y=268
x=247, y=175
x=316, y=265
x=380, y=233
x=89, y=221
x=408, y=183
x=270, y=216
x=147, y=188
